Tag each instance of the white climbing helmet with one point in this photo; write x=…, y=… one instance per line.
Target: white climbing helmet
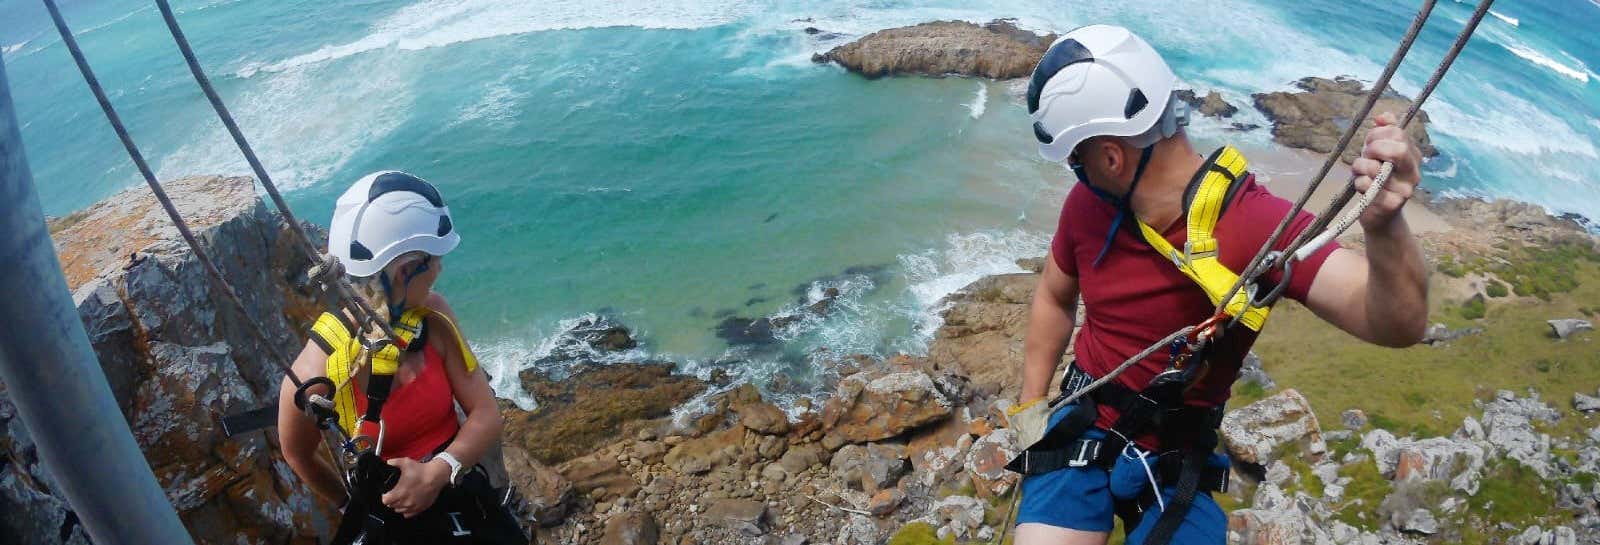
x=385, y=215
x=1102, y=80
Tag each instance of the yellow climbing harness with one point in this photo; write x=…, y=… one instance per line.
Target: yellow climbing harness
x=1198, y=258
x=345, y=354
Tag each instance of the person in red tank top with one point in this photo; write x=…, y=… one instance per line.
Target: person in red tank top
x=390, y=231
x=1102, y=102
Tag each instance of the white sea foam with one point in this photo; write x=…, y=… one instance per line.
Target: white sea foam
x=1513, y=124
x=1579, y=72
x=435, y=24
x=980, y=101
x=1507, y=19
x=302, y=132
x=12, y=49
x=933, y=274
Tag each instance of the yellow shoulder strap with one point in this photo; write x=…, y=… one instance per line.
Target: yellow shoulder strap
x=344, y=353
x=334, y=335
x=1198, y=259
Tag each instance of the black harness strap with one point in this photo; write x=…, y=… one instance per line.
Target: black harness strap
x=1182, y=499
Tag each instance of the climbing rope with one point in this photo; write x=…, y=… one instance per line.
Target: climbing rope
x=1318, y=234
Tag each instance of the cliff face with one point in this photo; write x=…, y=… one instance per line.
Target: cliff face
x=177, y=362
x=997, y=50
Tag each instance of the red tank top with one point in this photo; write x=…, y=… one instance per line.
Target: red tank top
x=420, y=415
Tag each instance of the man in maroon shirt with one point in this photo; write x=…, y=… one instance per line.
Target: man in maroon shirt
x=1102, y=103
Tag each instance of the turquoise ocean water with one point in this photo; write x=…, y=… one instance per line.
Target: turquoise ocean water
x=672, y=164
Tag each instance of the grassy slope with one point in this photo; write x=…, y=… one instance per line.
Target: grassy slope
x=1427, y=390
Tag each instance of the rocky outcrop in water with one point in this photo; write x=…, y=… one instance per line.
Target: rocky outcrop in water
x=1210, y=105
x=996, y=50
x=177, y=362
x=1315, y=116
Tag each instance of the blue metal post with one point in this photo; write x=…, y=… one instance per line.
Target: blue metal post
x=53, y=378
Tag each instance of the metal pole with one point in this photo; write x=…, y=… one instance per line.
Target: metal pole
x=55, y=381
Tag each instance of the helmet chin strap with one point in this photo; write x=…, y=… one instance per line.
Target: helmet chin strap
x=405, y=284
x=1123, y=203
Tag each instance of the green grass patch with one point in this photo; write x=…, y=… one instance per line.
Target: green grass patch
x=1448, y=266
x=1363, y=495
x=1513, y=493
x=1496, y=288
x=1543, y=271
x=1336, y=371
x=1474, y=308
x=1245, y=393
x=919, y=533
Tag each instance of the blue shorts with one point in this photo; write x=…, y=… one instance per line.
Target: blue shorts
x=1079, y=498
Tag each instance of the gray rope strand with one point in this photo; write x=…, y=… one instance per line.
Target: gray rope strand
x=346, y=294
x=1306, y=243
x=1257, y=264
x=219, y=283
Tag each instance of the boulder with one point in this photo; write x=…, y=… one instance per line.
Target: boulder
x=1460, y=463
x=1251, y=372
x=873, y=406
x=1440, y=334
x=983, y=332
x=548, y=497
x=859, y=530
x=600, y=476
x=178, y=356
x=748, y=517
x=589, y=407
x=763, y=417
x=885, y=502
x=997, y=50
x=956, y=518
x=1211, y=105
x=1508, y=428
x=1585, y=403
x=632, y=528
x=987, y=459
x=1353, y=419
x=885, y=464
x=1316, y=114
x=1565, y=327
x=799, y=458
x=1256, y=431
x=1418, y=521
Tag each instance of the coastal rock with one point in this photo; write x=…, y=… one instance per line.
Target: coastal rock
x=1251, y=372
x=1565, y=327
x=873, y=406
x=983, y=330
x=1508, y=428
x=1440, y=334
x=748, y=517
x=1211, y=105
x=634, y=528
x=997, y=50
x=579, y=412
x=1353, y=419
x=1460, y=463
x=1315, y=116
x=955, y=517
x=547, y=496
x=1254, y=432
x=175, y=361
x=1418, y=521
x=1585, y=403
x=987, y=459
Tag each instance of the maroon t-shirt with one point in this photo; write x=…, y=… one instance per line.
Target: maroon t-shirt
x=1136, y=297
